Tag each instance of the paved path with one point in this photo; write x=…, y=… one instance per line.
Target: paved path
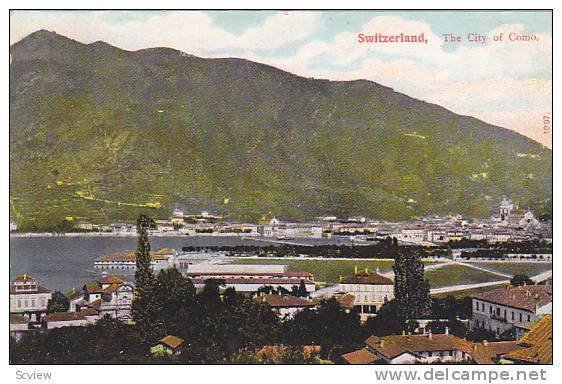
x=482, y=269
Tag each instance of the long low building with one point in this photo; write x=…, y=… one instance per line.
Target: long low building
x=160, y=259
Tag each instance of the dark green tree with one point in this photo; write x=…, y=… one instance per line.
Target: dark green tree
x=411, y=290
x=172, y=292
x=58, y=303
x=146, y=308
x=519, y=280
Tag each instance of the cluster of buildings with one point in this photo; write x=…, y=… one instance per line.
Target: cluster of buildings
x=535, y=347
x=524, y=310
x=108, y=295
x=507, y=223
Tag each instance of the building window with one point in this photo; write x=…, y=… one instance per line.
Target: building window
x=512, y=315
x=528, y=317
x=477, y=306
x=520, y=317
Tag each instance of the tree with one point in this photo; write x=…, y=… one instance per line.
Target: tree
x=299, y=290
x=145, y=305
x=58, y=303
x=519, y=280
x=172, y=292
x=411, y=290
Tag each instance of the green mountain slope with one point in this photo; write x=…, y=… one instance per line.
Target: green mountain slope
x=101, y=133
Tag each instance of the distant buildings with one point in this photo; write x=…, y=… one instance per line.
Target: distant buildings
x=28, y=298
x=516, y=308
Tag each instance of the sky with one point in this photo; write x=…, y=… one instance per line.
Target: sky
x=507, y=83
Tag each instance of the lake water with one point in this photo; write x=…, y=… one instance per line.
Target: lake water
x=62, y=263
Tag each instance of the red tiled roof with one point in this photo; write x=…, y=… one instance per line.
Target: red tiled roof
x=172, y=341
x=18, y=319
x=130, y=256
x=361, y=356
x=346, y=301
x=522, y=297
x=112, y=279
x=536, y=344
x=367, y=278
x=285, y=301
x=70, y=316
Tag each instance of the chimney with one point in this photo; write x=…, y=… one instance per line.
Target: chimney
x=403, y=333
x=377, y=270
x=356, y=269
x=446, y=330
x=366, y=271
x=429, y=335
x=382, y=343
x=485, y=342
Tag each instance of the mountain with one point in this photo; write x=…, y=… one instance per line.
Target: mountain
x=100, y=133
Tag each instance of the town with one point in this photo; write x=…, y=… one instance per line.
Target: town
x=507, y=223
x=373, y=316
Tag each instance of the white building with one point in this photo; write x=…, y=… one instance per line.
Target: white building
x=70, y=319
x=161, y=259
x=29, y=299
x=370, y=291
x=505, y=208
x=109, y=295
x=502, y=309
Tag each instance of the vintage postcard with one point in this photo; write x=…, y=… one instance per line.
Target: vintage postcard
x=281, y=187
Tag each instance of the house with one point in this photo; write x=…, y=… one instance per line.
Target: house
x=370, y=291
x=439, y=348
x=286, y=306
x=19, y=325
x=75, y=297
x=70, y=319
x=509, y=308
x=109, y=295
x=168, y=346
x=537, y=345
x=29, y=299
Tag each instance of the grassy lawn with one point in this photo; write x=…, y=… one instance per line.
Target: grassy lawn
x=529, y=269
x=456, y=275
x=325, y=270
x=469, y=292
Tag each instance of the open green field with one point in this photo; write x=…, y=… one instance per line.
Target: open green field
x=327, y=270
x=456, y=275
x=529, y=269
x=469, y=292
